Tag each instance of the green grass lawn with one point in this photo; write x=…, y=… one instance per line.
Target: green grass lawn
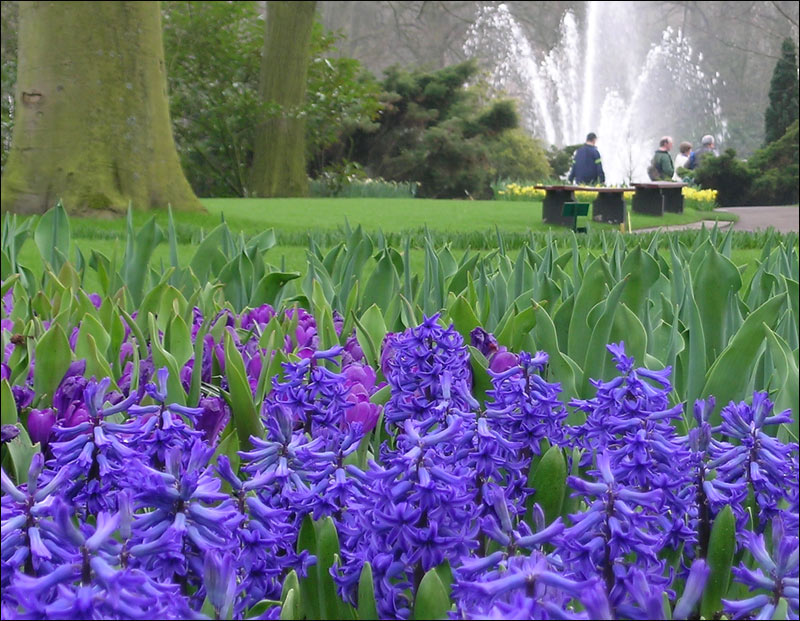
x=295, y=218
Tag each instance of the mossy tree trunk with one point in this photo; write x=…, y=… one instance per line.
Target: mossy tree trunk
x=92, y=125
x=279, y=159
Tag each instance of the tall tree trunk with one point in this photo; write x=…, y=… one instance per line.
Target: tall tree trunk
x=92, y=125
x=279, y=159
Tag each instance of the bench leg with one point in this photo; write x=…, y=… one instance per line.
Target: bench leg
x=609, y=207
x=553, y=207
x=648, y=201
x=673, y=200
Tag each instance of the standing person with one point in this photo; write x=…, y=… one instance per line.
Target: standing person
x=707, y=148
x=682, y=159
x=587, y=167
x=661, y=168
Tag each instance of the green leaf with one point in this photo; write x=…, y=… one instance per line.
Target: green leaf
x=327, y=549
x=295, y=607
x=178, y=340
x=550, y=482
x=715, y=278
x=8, y=406
x=596, y=352
x=785, y=378
x=52, y=236
x=270, y=287
x=721, y=546
x=480, y=377
x=432, y=600
x=463, y=317
x=307, y=540
x=22, y=451
x=383, y=284
x=739, y=357
x=246, y=420
x=544, y=334
x=367, y=609
x=370, y=330
x=592, y=291
x=257, y=610
x=53, y=357
x=288, y=610
x=162, y=358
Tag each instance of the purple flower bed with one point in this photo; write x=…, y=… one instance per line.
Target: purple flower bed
x=135, y=509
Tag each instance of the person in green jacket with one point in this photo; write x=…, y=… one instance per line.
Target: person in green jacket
x=662, y=161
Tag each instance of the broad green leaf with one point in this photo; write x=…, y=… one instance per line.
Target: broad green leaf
x=246, y=420
x=721, y=546
x=739, y=357
x=642, y=272
x=463, y=317
x=367, y=609
x=90, y=326
x=432, y=601
x=544, y=334
x=162, y=358
x=52, y=236
x=307, y=540
x=53, y=357
x=289, y=608
x=21, y=451
x=716, y=277
x=178, y=340
x=8, y=406
x=327, y=550
x=270, y=288
x=549, y=479
x=786, y=378
x=370, y=330
x=383, y=284
x=596, y=352
x=481, y=382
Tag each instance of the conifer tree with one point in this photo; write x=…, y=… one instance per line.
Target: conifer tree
x=783, y=98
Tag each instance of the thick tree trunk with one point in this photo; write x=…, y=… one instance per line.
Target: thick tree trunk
x=279, y=160
x=92, y=125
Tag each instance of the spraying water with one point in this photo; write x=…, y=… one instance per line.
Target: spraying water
x=594, y=79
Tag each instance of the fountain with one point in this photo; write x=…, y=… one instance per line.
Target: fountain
x=596, y=79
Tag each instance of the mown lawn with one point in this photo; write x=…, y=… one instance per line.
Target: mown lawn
x=295, y=218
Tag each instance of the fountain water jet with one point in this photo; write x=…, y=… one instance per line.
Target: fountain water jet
x=595, y=79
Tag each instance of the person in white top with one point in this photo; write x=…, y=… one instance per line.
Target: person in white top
x=682, y=159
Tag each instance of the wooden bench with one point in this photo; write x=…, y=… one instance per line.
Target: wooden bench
x=609, y=206
x=656, y=197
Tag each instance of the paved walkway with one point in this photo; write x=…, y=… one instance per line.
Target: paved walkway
x=782, y=219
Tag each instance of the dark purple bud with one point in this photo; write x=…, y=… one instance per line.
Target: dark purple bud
x=9, y=432
x=502, y=361
x=483, y=341
x=40, y=424
x=23, y=396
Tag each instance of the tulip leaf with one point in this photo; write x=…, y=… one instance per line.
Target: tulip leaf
x=21, y=451
x=739, y=357
x=721, y=546
x=367, y=609
x=53, y=357
x=246, y=420
x=432, y=600
x=307, y=540
x=162, y=358
x=8, y=406
x=549, y=479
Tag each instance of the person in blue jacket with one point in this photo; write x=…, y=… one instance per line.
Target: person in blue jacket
x=587, y=167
